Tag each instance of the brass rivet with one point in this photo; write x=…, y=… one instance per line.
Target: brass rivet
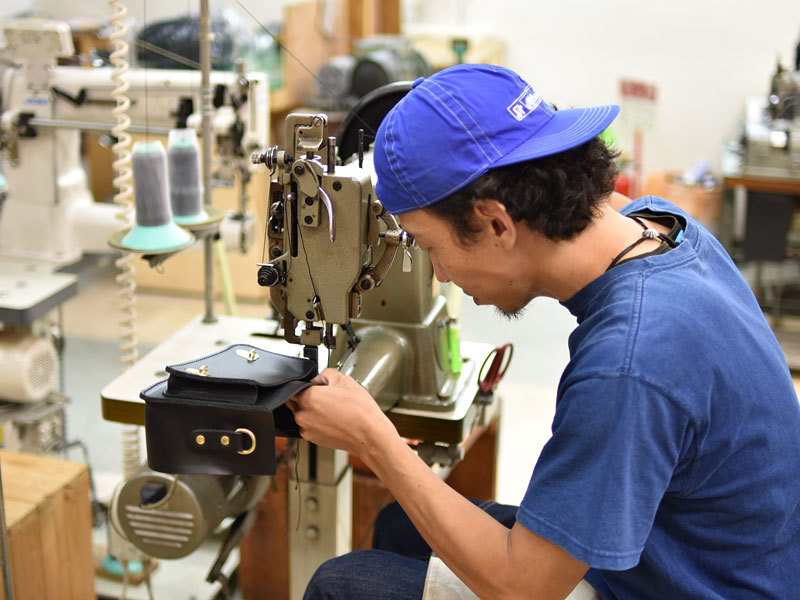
x=200, y=439
x=249, y=356
x=202, y=371
x=225, y=440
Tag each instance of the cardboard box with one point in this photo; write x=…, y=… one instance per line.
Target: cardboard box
x=700, y=202
x=49, y=522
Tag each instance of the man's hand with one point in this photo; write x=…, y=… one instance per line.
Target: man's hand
x=493, y=561
x=337, y=412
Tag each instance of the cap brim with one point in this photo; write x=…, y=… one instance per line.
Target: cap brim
x=567, y=129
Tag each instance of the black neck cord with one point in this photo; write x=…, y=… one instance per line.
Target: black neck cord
x=647, y=234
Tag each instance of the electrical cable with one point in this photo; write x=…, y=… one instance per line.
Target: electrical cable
x=297, y=483
x=310, y=278
x=369, y=529
x=188, y=62
x=123, y=594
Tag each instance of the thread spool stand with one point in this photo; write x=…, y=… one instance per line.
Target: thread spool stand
x=207, y=229
x=155, y=233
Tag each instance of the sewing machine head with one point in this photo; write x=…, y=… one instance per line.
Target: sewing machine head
x=771, y=135
x=329, y=239
x=331, y=247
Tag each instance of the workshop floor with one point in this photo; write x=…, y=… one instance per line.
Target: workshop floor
x=91, y=361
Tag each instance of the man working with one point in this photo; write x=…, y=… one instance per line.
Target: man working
x=673, y=470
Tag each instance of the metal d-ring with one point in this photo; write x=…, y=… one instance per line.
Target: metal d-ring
x=252, y=440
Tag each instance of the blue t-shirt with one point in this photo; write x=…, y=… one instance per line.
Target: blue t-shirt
x=674, y=465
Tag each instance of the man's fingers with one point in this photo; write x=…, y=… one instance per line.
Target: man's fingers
x=320, y=379
x=332, y=375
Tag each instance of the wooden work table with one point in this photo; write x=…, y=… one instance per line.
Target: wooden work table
x=749, y=183
x=121, y=402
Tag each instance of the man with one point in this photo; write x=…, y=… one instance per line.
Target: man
x=673, y=470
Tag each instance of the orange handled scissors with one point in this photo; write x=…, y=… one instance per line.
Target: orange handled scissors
x=497, y=368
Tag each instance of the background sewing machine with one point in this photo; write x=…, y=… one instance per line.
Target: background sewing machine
x=49, y=218
x=50, y=213
x=376, y=61
x=761, y=185
x=771, y=136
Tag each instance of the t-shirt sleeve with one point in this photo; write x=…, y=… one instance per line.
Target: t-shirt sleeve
x=600, y=478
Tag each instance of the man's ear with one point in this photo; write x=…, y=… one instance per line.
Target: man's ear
x=495, y=221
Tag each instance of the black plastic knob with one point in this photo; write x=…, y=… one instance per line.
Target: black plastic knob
x=268, y=275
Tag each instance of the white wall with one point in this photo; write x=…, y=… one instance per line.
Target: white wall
x=13, y=9
x=149, y=11
x=705, y=56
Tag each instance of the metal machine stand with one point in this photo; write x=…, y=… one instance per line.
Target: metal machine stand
x=320, y=512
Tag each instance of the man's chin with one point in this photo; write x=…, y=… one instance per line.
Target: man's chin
x=507, y=313
x=511, y=315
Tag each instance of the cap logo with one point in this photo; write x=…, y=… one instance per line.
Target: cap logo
x=525, y=104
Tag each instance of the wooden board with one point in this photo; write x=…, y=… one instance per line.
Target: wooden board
x=49, y=521
x=306, y=48
x=369, y=497
x=372, y=17
x=308, y=43
x=264, y=553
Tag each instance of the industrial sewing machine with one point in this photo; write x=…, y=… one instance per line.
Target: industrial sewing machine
x=771, y=136
x=49, y=219
x=330, y=243
x=344, y=275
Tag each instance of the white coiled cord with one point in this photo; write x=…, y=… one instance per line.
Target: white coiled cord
x=123, y=176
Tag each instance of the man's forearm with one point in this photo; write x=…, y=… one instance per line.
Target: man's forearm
x=493, y=561
x=467, y=539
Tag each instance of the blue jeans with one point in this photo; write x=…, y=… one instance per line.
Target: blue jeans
x=395, y=569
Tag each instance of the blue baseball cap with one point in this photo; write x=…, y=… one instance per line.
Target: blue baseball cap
x=453, y=127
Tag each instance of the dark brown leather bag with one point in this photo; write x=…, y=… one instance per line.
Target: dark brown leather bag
x=220, y=414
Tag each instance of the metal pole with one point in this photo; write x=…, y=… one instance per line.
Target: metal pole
x=7, y=588
x=205, y=66
x=96, y=127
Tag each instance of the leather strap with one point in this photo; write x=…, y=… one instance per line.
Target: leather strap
x=240, y=441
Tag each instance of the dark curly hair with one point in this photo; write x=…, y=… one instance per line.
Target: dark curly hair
x=556, y=195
